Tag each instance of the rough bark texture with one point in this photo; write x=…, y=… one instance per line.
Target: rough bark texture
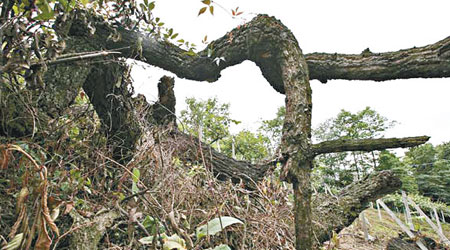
x=335, y=213
x=123, y=117
x=189, y=148
x=367, y=144
x=431, y=61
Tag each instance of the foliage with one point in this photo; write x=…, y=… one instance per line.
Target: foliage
x=209, y=120
x=431, y=167
x=425, y=203
x=340, y=169
x=389, y=161
x=273, y=128
x=246, y=145
x=215, y=226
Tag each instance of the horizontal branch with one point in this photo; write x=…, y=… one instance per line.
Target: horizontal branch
x=368, y=145
x=431, y=61
x=256, y=41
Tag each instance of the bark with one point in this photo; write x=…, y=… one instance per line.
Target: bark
x=431, y=61
x=367, y=145
x=124, y=118
x=334, y=213
x=189, y=149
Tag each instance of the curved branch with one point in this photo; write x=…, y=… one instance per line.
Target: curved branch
x=238, y=45
x=431, y=61
x=368, y=145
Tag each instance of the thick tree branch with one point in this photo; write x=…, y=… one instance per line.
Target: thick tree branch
x=431, y=61
x=238, y=45
x=368, y=145
x=189, y=148
x=335, y=213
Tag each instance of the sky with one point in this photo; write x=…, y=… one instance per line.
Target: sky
x=420, y=106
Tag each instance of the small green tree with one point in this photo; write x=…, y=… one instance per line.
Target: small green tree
x=340, y=169
x=209, y=120
x=247, y=146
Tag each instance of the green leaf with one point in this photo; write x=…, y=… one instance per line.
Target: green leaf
x=222, y=247
x=174, y=242
x=216, y=225
x=202, y=10
x=136, y=174
x=190, y=53
x=14, y=243
x=46, y=11
x=143, y=6
x=16, y=10
x=148, y=221
x=146, y=240
x=84, y=2
x=151, y=6
x=174, y=36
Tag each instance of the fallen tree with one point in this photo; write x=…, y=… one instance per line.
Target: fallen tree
x=268, y=43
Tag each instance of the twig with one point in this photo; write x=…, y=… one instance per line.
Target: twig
x=75, y=58
x=134, y=195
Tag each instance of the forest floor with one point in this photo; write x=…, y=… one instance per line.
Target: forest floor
x=382, y=231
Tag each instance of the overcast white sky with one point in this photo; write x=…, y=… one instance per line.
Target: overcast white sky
x=421, y=106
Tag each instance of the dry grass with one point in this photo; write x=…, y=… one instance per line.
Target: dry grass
x=382, y=230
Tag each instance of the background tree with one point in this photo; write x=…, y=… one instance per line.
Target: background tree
x=389, y=161
x=212, y=119
x=340, y=169
x=431, y=168
x=248, y=146
x=209, y=120
x=273, y=129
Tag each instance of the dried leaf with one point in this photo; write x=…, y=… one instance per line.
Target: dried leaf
x=44, y=241
x=69, y=207
x=211, y=9
x=207, y=2
x=202, y=10
x=19, y=220
x=4, y=160
x=45, y=210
